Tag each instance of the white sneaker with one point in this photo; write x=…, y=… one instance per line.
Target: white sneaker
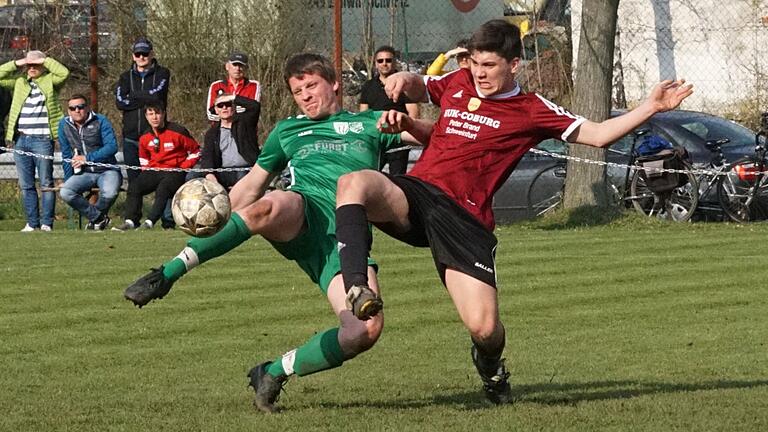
x=46, y=228
x=147, y=224
x=27, y=228
x=127, y=225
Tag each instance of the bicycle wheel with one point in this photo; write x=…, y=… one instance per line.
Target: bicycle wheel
x=677, y=205
x=546, y=191
x=740, y=198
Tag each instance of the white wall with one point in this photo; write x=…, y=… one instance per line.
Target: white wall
x=721, y=46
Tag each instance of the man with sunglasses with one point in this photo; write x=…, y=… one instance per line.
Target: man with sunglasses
x=231, y=142
x=372, y=96
x=85, y=136
x=144, y=82
x=33, y=124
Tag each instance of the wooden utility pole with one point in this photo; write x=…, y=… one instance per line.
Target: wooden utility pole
x=93, y=70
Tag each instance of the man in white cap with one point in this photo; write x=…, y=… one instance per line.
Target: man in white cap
x=236, y=83
x=232, y=141
x=33, y=125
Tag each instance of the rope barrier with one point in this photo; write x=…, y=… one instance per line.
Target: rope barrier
x=128, y=167
x=695, y=171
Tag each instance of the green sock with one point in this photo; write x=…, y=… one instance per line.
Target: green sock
x=321, y=352
x=200, y=250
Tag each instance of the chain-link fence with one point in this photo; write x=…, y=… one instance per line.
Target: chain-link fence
x=719, y=47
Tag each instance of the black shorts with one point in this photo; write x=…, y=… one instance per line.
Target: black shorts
x=457, y=240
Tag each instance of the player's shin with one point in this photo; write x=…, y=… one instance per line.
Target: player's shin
x=202, y=249
x=354, y=243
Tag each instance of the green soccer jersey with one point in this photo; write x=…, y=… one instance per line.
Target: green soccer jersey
x=318, y=152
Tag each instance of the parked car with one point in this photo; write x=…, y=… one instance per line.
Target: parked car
x=536, y=184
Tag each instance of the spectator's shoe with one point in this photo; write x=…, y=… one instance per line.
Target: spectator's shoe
x=151, y=286
x=91, y=226
x=363, y=302
x=266, y=386
x=495, y=378
x=46, y=228
x=147, y=224
x=27, y=228
x=101, y=223
x=126, y=226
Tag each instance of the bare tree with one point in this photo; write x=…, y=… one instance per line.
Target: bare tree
x=585, y=183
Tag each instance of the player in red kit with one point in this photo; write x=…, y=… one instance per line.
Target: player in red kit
x=485, y=127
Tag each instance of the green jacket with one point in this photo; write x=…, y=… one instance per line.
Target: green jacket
x=15, y=79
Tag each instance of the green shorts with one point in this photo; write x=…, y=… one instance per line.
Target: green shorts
x=314, y=250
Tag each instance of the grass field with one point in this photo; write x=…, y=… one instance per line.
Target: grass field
x=632, y=325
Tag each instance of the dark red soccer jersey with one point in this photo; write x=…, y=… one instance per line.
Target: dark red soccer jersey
x=478, y=141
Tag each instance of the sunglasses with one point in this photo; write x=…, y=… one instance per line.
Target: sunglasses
x=224, y=105
x=78, y=107
x=138, y=54
x=384, y=60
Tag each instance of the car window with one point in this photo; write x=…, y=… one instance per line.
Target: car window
x=553, y=146
x=713, y=128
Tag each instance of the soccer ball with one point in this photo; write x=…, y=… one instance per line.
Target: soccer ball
x=201, y=207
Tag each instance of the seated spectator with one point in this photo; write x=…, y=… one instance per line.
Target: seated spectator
x=460, y=53
x=232, y=142
x=85, y=136
x=166, y=145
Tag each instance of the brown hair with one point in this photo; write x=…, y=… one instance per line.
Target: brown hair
x=309, y=63
x=497, y=36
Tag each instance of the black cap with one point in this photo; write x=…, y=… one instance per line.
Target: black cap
x=238, y=57
x=142, y=45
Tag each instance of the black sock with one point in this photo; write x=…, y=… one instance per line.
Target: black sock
x=354, y=242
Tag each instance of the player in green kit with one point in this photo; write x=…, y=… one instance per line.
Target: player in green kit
x=318, y=147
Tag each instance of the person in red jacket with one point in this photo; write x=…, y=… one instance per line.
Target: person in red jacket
x=236, y=83
x=166, y=145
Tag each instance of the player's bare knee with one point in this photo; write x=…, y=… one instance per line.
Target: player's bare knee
x=481, y=328
x=349, y=186
x=345, y=185
x=359, y=336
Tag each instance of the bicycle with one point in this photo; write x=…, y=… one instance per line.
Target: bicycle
x=743, y=188
x=541, y=199
x=676, y=199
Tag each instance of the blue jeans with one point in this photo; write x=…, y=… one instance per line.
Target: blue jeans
x=26, y=166
x=108, y=183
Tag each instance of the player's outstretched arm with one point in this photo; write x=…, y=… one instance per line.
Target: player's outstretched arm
x=415, y=131
x=665, y=96
x=407, y=83
x=250, y=188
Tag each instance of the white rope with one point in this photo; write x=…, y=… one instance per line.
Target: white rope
x=695, y=171
x=128, y=167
